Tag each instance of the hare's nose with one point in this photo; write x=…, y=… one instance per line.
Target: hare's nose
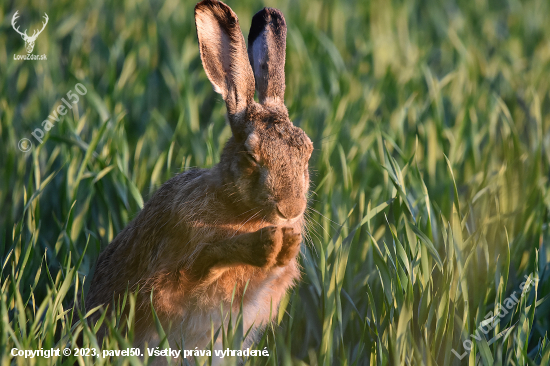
x=290, y=210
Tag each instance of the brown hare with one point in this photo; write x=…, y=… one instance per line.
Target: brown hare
x=207, y=231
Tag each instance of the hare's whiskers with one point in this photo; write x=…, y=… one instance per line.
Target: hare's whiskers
x=334, y=222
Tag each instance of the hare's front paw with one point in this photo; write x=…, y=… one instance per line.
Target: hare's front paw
x=291, y=246
x=270, y=243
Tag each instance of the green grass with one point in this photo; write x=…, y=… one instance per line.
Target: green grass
x=430, y=196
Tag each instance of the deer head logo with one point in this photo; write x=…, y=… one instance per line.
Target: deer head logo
x=29, y=41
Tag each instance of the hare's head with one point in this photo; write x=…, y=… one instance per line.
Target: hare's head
x=265, y=163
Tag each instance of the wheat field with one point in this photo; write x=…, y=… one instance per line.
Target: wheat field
x=428, y=219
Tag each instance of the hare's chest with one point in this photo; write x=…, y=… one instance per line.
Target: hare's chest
x=260, y=304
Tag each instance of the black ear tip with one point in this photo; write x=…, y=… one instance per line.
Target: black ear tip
x=205, y=4
x=275, y=14
x=267, y=17
x=223, y=13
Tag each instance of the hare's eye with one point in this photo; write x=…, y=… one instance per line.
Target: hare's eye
x=253, y=158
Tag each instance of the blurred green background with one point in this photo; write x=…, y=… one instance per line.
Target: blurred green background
x=430, y=194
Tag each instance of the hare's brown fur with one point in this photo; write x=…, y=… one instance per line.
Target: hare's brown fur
x=206, y=232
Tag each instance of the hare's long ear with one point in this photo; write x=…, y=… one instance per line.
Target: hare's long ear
x=266, y=51
x=223, y=54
